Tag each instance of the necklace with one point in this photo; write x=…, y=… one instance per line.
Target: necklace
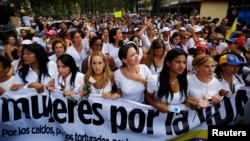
x=173, y=82
x=99, y=87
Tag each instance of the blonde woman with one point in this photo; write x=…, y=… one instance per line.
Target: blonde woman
x=103, y=76
x=203, y=86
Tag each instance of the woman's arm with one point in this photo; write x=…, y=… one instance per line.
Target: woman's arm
x=162, y=107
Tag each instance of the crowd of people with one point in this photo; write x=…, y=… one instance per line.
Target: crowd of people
x=162, y=61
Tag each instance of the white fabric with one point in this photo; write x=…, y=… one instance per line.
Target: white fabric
x=107, y=88
x=113, y=52
x=198, y=89
x=27, y=20
x=153, y=87
x=33, y=77
x=8, y=83
x=53, y=58
x=236, y=84
x=78, y=56
x=78, y=83
x=132, y=90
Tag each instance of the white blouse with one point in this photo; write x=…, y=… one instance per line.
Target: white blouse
x=130, y=89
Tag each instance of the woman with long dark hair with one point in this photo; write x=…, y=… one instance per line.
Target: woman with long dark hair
x=36, y=70
x=169, y=87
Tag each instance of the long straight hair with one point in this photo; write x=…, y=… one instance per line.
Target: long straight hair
x=164, y=85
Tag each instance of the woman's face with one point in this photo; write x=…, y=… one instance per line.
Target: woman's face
x=200, y=50
x=176, y=40
x=132, y=57
x=230, y=69
x=97, y=45
x=77, y=38
x=97, y=64
x=29, y=57
x=178, y=64
x=23, y=33
x=158, y=52
x=11, y=40
x=206, y=69
x=185, y=39
x=118, y=35
x=59, y=49
x=63, y=70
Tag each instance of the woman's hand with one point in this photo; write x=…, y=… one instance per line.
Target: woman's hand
x=114, y=96
x=38, y=86
x=83, y=93
x=68, y=92
x=216, y=99
x=15, y=87
x=106, y=95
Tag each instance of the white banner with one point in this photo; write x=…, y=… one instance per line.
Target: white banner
x=26, y=115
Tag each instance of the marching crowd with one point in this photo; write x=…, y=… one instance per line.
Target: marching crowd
x=162, y=61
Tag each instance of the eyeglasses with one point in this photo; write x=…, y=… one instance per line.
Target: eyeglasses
x=185, y=38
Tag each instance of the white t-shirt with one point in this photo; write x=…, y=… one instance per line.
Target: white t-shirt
x=8, y=83
x=78, y=56
x=53, y=58
x=153, y=87
x=130, y=89
x=198, y=89
x=113, y=52
x=15, y=63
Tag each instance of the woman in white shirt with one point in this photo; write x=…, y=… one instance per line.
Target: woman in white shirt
x=131, y=77
x=169, y=87
x=203, y=86
x=227, y=72
x=68, y=79
x=36, y=70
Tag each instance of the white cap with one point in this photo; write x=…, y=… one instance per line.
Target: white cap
x=26, y=42
x=197, y=29
x=135, y=29
x=164, y=29
x=183, y=28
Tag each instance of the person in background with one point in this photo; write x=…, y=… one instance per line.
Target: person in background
x=96, y=44
x=51, y=38
x=27, y=19
x=59, y=48
x=155, y=56
x=174, y=41
x=169, y=87
x=131, y=77
x=17, y=63
x=6, y=80
x=36, y=70
x=115, y=43
x=77, y=50
x=203, y=86
x=68, y=78
x=103, y=76
x=11, y=48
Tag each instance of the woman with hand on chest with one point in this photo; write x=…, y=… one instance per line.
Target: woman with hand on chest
x=131, y=77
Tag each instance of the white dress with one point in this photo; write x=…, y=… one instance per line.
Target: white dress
x=130, y=89
x=107, y=88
